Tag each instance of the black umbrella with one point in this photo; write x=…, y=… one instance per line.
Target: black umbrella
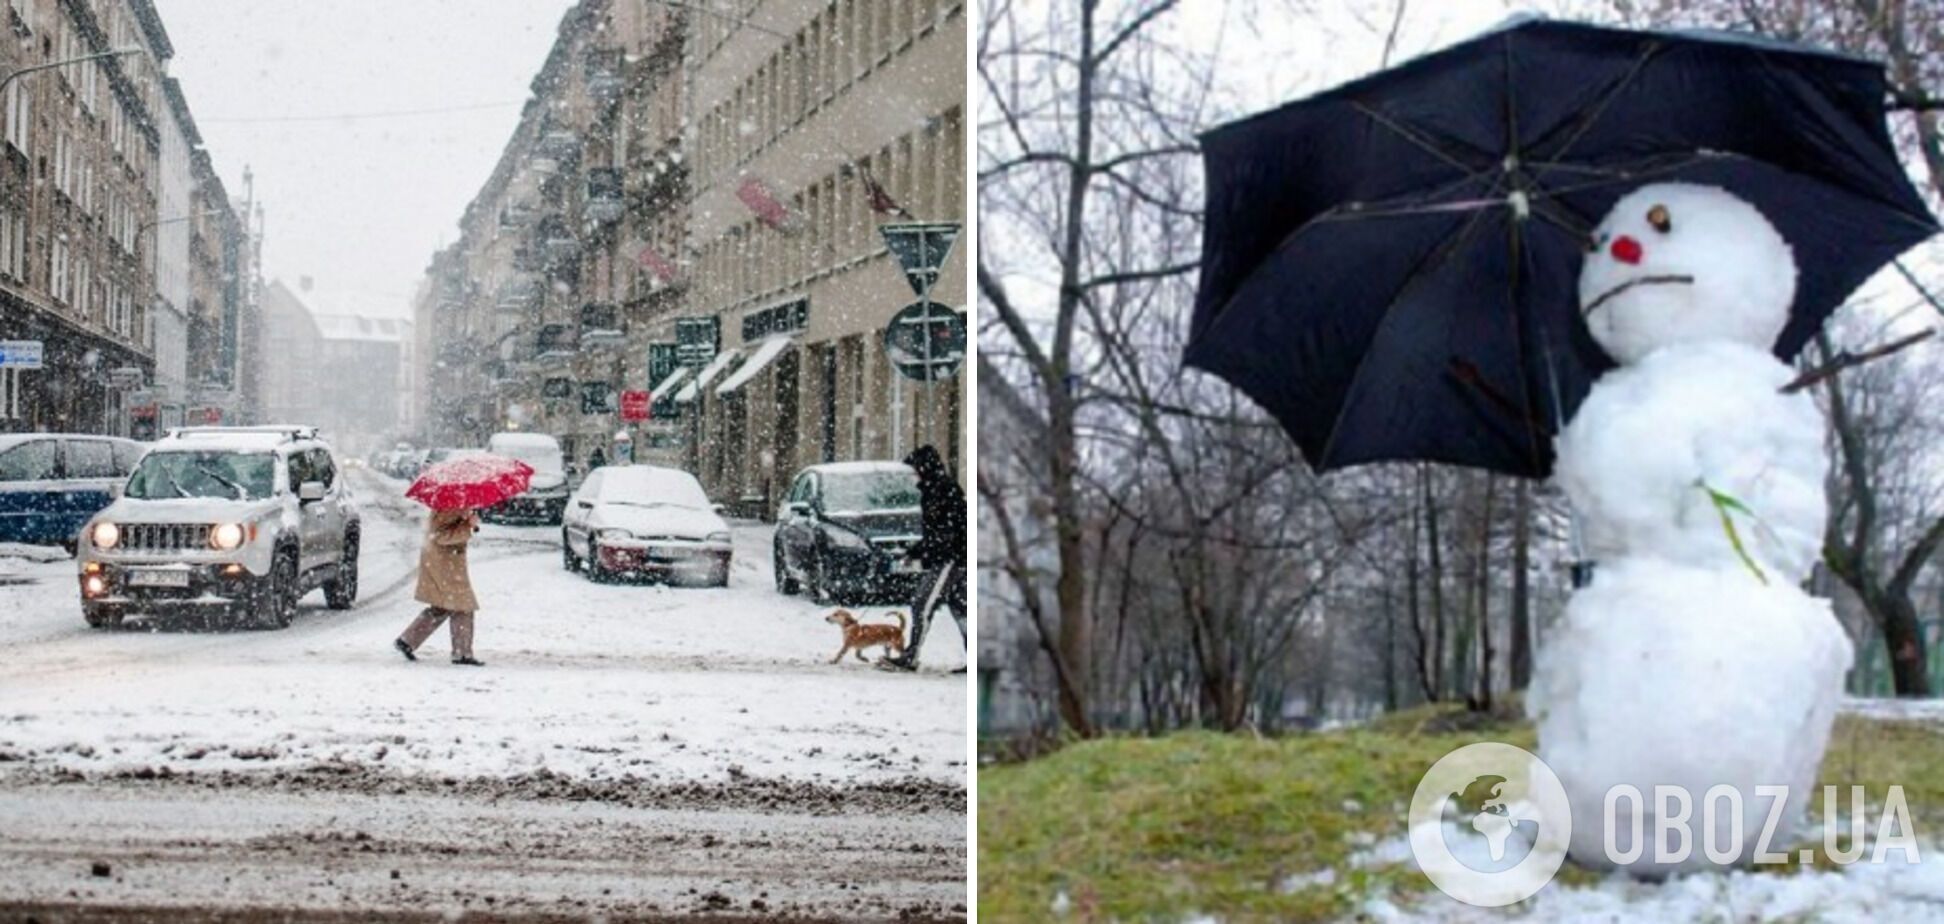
x=1390, y=267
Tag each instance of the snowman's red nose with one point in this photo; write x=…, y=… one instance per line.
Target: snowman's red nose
x=1626, y=250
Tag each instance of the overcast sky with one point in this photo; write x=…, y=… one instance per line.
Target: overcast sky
x=359, y=204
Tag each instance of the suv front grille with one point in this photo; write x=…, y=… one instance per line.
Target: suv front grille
x=164, y=537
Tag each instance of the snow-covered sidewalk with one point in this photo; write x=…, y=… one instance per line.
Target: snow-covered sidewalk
x=591, y=682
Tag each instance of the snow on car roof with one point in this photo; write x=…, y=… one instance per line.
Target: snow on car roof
x=218, y=441
x=859, y=468
x=652, y=481
x=524, y=440
x=10, y=440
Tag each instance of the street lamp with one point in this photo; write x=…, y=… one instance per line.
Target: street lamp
x=117, y=53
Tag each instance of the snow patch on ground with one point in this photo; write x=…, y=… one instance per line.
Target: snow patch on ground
x=1900, y=710
x=1889, y=893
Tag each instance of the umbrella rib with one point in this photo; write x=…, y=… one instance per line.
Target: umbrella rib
x=1417, y=139
x=1335, y=214
x=1606, y=99
x=1431, y=263
x=1408, y=204
x=1673, y=163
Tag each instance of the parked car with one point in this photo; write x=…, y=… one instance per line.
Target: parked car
x=51, y=483
x=232, y=522
x=646, y=520
x=843, y=530
x=545, y=499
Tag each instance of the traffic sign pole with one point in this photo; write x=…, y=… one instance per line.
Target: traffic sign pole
x=921, y=249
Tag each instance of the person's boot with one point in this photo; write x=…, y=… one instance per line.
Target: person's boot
x=904, y=663
x=469, y=661
x=404, y=649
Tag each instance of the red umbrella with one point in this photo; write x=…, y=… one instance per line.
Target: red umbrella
x=471, y=482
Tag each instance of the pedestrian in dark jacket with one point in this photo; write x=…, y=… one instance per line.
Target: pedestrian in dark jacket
x=940, y=550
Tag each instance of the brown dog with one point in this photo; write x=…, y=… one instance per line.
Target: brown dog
x=861, y=635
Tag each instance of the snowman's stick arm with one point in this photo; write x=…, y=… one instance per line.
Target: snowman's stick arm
x=1848, y=360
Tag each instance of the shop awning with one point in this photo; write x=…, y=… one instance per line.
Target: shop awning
x=707, y=375
x=660, y=391
x=764, y=355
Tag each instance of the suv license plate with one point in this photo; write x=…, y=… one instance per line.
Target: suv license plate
x=907, y=566
x=158, y=579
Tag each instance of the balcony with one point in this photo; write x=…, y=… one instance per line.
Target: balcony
x=516, y=216
x=600, y=325
x=556, y=341
x=602, y=71
x=604, y=203
x=558, y=241
x=562, y=143
x=518, y=295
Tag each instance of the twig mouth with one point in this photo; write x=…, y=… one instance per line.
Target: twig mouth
x=1616, y=291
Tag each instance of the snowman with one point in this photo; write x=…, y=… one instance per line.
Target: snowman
x=1693, y=659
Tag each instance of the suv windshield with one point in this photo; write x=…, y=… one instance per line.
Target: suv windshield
x=856, y=493
x=228, y=475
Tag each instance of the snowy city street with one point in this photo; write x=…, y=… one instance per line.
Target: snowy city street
x=647, y=747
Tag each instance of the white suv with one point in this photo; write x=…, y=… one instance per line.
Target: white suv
x=235, y=523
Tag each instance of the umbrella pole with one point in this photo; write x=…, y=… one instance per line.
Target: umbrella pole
x=1580, y=568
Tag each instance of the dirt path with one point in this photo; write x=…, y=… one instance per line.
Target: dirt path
x=276, y=848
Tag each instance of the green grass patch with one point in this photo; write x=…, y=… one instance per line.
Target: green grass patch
x=1138, y=829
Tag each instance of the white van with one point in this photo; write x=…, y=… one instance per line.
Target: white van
x=547, y=498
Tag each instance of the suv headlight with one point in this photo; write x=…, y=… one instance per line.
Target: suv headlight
x=719, y=536
x=613, y=534
x=226, y=537
x=105, y=535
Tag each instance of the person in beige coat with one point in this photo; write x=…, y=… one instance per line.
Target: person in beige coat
x=444, y=586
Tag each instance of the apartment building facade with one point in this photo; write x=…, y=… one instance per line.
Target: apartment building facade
x=78, y=163
x=99, y=165
x=846, y=115
x=690, y=208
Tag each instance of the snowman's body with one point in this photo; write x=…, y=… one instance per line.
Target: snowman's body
x=1693, y=660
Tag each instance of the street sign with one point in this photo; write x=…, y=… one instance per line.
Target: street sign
x=126, y=376
x=634, y=405
x=21, y=354
x=921, y=248
x=926, y=341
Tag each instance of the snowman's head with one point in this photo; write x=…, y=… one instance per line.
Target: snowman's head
x=1682, y=263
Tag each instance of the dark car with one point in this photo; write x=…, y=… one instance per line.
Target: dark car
x=51, y=483
x=843, y=530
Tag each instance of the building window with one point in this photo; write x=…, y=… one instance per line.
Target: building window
x=61, y=183
x=13, y=247
x=59, y=283
x=19, y=109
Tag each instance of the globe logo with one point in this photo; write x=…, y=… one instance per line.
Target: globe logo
x=1489, y=824
x=1480, y=809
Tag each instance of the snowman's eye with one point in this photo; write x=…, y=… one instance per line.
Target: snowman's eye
x=1658, y=217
